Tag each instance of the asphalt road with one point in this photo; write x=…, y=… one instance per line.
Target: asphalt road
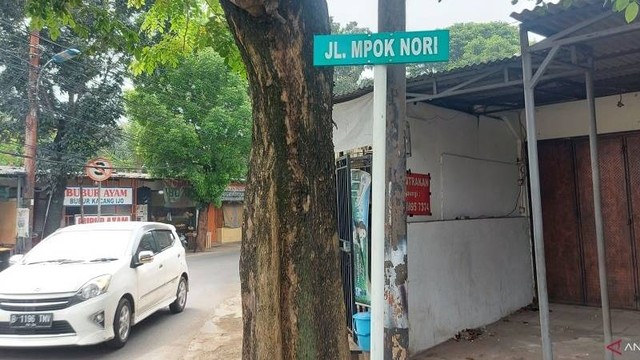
x=163, y=336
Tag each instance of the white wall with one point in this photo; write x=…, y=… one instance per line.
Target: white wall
x=465, y=274
x=472, y=162
x=462, y=273
x=572, y=118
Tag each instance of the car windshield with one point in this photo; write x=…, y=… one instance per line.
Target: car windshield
x=80, y=246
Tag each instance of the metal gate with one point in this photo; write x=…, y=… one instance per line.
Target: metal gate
x=569, y=226
x=345, y=234
x=345, y=228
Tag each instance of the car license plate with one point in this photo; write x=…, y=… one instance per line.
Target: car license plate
x=22, y=321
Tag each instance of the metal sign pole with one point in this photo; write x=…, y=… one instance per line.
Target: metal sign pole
x=99, y=198
x=377, y=210
x=81, y=203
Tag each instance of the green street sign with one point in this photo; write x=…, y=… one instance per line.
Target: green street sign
x=381, y=48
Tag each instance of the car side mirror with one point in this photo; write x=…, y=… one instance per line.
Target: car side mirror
x=145, y=257
x=15, y=259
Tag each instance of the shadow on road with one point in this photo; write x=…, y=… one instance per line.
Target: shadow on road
x=102, y=351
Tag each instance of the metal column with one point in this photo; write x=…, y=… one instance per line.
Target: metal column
x=536, y=199
x=377, y=210
x=597, y=210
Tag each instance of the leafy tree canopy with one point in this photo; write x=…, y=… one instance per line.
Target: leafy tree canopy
x=473, y=43
x=193, y=122
x=348, y=78
x=79, y=101
x=168, y=30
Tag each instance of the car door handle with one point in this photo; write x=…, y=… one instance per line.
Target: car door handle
x=161, y=266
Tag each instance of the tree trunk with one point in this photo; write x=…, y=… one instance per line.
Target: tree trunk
x=289, y=269
x=201, y=228
x=56, y=207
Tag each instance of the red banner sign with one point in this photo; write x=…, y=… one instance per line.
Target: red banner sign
x=418, y=196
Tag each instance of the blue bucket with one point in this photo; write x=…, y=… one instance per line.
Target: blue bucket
x=362, y=329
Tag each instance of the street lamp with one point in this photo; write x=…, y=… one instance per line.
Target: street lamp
x=58, y=58
x=31, y=122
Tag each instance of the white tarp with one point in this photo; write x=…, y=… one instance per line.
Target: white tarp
x=354, y=123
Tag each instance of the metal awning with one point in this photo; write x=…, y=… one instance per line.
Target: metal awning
x=11, y=171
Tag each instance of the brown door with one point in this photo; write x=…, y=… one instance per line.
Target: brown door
x=569, y=222
x=632, y=146
x=560, y=220
x=615, y=213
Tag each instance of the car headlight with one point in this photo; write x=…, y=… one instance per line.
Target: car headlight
x=94, y=287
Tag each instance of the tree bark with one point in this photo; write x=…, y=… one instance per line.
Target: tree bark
x=201, y=228
x=289, y=267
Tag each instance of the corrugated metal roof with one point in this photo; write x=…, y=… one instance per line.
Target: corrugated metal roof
x=549, y=19
x=12, y=170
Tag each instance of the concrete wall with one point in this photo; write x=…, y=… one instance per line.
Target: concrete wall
x=472, y=162
x=470, y=263
x=572, y=118
x=465, y=274
x=229, y=235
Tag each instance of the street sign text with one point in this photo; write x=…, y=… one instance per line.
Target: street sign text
x=381, y=48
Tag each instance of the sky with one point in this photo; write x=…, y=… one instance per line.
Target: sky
x=429, y=14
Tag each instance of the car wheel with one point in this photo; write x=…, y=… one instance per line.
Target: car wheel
x=181, y=297
x=121, y=324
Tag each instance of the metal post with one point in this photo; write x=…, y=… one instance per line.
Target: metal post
x=81, y=201
x=99, y=199
x=31, y=132
x=597, y=210
x=20, y=240
x=377, y=210
x=391, y=18
x=536, y=199
x=46, y=216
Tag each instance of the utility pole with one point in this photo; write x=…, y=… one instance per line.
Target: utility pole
x=31, y=131
x=391, y=18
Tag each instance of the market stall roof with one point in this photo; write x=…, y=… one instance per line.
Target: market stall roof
x=11, y=171
x=583, y=30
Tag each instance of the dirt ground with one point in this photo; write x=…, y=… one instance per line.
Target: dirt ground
x=221, y=336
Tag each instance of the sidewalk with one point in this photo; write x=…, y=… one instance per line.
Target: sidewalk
x=576, y=333
x=221, y=336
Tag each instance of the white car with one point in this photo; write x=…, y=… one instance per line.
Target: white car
x=87, y=284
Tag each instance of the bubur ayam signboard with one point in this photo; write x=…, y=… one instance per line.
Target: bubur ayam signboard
x=418, y=196
x=108, y=196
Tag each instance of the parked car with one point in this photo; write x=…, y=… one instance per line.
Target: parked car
x=87, y=284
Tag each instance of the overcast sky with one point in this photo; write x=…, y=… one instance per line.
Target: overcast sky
x=429, y=14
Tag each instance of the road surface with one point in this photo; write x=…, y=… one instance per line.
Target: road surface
x=163, y=336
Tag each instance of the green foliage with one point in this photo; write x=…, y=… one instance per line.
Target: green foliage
x=628, y=7
x=121, y=151
x=473, y=43
x=9, y=145
x=79, y=100
x=167, y=30
x=347, y=78
x=193, y=122
x=99, y=20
